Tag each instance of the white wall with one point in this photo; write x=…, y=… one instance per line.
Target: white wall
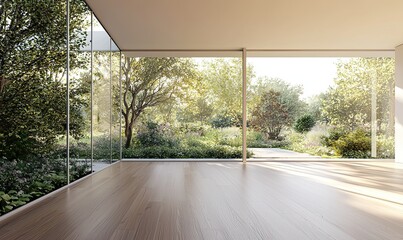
x=399, y=104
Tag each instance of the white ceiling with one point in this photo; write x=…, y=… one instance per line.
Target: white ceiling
x=252, y=24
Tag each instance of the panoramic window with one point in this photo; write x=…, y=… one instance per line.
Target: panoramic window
x=33, y=98
x=182, y=108
x=321, y=107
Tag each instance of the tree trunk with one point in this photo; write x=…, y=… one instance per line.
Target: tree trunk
x=129, y=135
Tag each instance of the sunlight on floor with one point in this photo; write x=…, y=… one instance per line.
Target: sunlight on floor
x=353, y=185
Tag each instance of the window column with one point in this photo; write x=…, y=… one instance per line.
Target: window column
x=399, y=104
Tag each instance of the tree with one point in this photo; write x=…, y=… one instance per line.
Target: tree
x=314, y=107
x=223, y=79
x=289, y=95
x=196, y=103
x=32, y=66
x=348, y=103
x=304, y=123
x=149, y=82
x=270, y=115
x=33, y=37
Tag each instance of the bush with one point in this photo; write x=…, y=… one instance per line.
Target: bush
x=386, y=147
x=200, y=151
x=24, y=181
x=333, y=135
x=12, y=200
x=304, y=124
x=255, y=139
x=102, y=148
x=222, y=121
x=310, y=142
x=278, y=144
x=194, y=129
x=356, y=144
x=153, y=134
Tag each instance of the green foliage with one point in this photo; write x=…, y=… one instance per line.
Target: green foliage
x=254, y=139
x=304, y=124
x=37, y=178
x=348, y=103
x=355, y=144
x=309, y=142
x=33, y=119
x=222, y=79
x=149, y=82
x=192, y=141
x=197, y=109
x=332, y=136
x=32, y=62
x=348, y=144
x=12, y=200
x=154, y=134
x=195, y=150
x=193, y=129
x=385, y=147
x=271, y=115
x=289, y=95
x=222, y=121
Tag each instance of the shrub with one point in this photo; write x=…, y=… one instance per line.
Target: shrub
x=200, y=151
x=355, y=144
x=304, y=124
x=310, y=142
x=278, y=144
x=333, y=135
x=12, y=200
x=102, y=148
x=222, y=121
x=255, y=139
x=386, y=147
x=193, y=129
x=153, y=134
x=24, y=181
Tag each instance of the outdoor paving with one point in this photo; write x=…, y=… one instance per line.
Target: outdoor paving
x=278, y=153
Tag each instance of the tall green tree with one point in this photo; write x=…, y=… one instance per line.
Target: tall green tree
x=32, y=66
x=149, y=82
x=290, y=95
x=270, y=115
x=223, y=79
x=348, y=102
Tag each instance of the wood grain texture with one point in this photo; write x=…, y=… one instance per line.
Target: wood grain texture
x=202, y=200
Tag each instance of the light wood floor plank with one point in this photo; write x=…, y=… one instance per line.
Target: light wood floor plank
x=222, y=200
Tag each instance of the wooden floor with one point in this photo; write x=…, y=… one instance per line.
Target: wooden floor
x=202, y=200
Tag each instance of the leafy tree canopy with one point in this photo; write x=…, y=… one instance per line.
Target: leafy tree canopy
x=148, y=82
x=289, y=95
x=348, y=102
x=270, y=115
x=32, y=65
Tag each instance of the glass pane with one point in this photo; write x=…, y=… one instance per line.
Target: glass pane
x=101, y=97
x=33, y=98
x=176, y=108
x=320, y=107
x=385, y=97
x=80, y=91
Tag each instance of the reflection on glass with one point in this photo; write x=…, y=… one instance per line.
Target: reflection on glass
x=33, y=97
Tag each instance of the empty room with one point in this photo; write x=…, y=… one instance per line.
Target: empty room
x=189, y=119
